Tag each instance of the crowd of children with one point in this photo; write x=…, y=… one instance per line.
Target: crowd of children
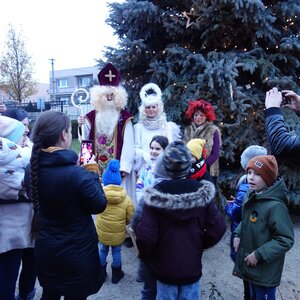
x=174, y=219
x=178, y=203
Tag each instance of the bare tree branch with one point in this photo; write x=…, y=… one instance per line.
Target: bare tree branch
x=16, y=68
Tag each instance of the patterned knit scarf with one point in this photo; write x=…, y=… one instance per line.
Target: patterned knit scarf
x=157, y=122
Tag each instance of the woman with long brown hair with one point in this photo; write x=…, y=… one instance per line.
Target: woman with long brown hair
x=64, y=197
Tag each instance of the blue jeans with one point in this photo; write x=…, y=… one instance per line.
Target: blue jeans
x=178, y=292
x=10, y=262
x=261, y=293
x=116, y=255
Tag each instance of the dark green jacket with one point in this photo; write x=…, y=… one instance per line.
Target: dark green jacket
x=266, y=229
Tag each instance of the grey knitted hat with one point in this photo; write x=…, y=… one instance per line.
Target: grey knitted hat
x=251, y=152
x=177, y=159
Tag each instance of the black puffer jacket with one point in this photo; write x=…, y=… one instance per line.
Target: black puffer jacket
x=282, y=143
x=179, y=220
x=66, y=251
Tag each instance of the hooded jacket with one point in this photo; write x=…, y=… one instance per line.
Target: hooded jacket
x=179, y=220
x=111, y=224
x=266, y=229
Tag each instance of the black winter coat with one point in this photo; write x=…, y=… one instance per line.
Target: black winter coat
x=66, y=251
x=282, y=143
x=179, y=220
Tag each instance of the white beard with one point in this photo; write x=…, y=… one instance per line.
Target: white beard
x=106, y=121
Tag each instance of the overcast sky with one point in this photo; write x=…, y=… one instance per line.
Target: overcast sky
x=73, y=32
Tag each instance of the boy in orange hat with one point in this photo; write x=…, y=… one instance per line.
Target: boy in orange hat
x=266, y=231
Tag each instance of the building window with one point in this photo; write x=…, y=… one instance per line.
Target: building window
x=62, y=83
x=64, y=100
x=84, y=80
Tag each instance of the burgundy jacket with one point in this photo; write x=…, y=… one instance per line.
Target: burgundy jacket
x=179, y=220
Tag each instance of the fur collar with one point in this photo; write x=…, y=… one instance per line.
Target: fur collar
x=204, y=195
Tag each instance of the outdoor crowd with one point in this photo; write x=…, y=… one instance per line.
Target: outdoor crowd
x=150, y=184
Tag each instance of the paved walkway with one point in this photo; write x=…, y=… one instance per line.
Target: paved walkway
x=217, y=281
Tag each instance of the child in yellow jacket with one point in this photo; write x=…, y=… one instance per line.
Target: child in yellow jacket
x=111, y=224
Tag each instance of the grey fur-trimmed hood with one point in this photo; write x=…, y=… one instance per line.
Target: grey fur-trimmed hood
x=200, y=198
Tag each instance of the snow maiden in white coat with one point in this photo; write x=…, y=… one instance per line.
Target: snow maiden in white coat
x=152, y=121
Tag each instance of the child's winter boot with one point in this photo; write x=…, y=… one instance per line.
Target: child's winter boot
x=117, y=274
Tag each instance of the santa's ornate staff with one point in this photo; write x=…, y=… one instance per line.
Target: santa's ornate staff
x=78, y=95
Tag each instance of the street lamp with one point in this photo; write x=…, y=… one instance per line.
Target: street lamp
x=53, y=80
x=53, y=86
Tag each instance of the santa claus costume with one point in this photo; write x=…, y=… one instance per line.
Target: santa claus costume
x=109, y=125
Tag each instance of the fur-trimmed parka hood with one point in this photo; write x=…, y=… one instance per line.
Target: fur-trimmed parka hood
x=194, y=195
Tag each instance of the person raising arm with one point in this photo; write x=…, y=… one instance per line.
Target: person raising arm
x=280, y=140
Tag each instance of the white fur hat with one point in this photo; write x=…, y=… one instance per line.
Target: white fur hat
x=150, y=98
x=250, y=152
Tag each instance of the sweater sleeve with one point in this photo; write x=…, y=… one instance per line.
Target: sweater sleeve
x=215, y=152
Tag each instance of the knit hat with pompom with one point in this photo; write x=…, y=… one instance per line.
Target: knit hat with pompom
x=112, y=174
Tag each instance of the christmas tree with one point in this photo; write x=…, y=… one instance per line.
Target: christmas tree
x=227, y=52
